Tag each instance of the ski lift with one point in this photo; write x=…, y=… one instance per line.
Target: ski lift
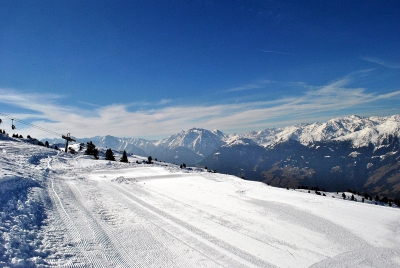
x=67, y=138
x=12, y=124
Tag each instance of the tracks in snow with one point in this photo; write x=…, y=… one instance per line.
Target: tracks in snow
x=108, y=226
x=227, y=255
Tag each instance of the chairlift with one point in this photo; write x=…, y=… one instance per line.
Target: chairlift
x=12, y=124
x=67, y=138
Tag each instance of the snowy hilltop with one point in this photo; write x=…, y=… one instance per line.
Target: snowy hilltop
x=69, y=210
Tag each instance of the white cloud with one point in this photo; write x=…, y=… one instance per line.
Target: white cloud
x=89, y=104
x=118, y=120
x=164, y=101
x=250, y=86
x=384, y=63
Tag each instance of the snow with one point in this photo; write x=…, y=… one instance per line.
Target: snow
x=360, y=131
x=201, y=141
x=66, y=210
x=241, y=141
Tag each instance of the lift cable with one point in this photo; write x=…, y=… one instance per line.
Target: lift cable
x=32, y=125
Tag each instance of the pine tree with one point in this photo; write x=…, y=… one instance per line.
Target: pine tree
x=92, y=150
x=124, y=157
x=110, y=155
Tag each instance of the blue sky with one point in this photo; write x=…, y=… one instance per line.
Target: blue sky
x=153, y=68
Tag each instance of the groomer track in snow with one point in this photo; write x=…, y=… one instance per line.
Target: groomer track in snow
x=68, y=210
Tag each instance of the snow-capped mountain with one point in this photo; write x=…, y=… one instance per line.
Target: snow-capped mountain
x=359, y=130
x=201, y=141
x=273, y=149
x=344, y=153
x=189, y=146
x=377, y=134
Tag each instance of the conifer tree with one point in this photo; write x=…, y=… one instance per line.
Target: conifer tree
x=92, y=150
x=124, y=157
x=110, y=155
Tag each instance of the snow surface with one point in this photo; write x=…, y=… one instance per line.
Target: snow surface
x=58, y=209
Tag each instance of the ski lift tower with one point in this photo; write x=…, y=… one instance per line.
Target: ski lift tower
x=68, y=139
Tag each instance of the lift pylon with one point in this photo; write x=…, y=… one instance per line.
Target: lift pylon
x=68, y=139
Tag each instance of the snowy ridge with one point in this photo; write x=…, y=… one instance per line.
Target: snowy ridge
x=240, y=141
x=201, y=141
x=377, y=135
x=353, y=128
x=359, y=130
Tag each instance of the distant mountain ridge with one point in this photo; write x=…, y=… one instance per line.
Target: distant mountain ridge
x=338, y=128
x=359, y=130
x=352, y=152
x=290, y=156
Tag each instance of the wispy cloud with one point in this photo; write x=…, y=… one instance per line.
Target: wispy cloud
x=257, y=85
x=164, y=101
x=381, y=62
x=116, y=119
x=89, y=104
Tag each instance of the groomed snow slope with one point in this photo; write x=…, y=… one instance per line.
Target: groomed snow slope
x=68, y=210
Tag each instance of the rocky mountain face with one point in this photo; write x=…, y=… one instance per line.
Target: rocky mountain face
x=356, y=153
x=352, y=152
x=332, y=165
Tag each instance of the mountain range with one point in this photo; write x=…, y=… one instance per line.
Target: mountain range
x=358, y=153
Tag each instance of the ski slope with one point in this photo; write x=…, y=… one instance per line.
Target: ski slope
x=68, y=210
